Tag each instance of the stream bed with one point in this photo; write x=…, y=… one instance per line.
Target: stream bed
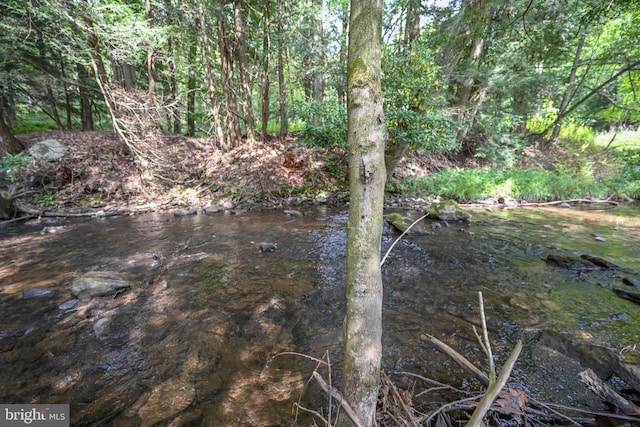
x=192, y=340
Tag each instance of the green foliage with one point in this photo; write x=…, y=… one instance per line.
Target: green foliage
x=467, y=185
x=326, y=123
x=413, y=110
x=11, y=164
x=45, y=199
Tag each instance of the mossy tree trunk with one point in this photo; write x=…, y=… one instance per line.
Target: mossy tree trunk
x=365, y=143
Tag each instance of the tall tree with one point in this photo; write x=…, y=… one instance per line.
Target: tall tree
x=215, y=106
x=233, y=125
x=9, y=144
x=365, y=145
x=266, y=47
x=243, y=69
x=282, y=90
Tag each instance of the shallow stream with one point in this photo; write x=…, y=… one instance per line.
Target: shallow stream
x=191, y=342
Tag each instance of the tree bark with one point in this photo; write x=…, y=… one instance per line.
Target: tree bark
x=282, y=90
x=9, y=144
x=215, y=106
x=243, y=70
x=151, y=61
x=233, y=125
x=365, y=145
x=571, y=89
x=266, y=46
x=86, y=113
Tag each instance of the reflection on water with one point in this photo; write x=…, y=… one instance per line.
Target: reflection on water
x=188, y=344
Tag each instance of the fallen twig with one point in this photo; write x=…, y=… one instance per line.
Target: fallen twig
x=600, y=388
x=458, y=358
x=331, y=391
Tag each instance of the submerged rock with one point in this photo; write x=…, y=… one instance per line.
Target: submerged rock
x=35, y=293
x=68, y=305
x=571, y=262
x=267, y=247
x=398, y=221
x=448, y=210
x=185, y=212
x=99, y=283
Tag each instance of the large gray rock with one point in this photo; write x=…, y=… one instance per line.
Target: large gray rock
x=49, y=149
x=99, y=283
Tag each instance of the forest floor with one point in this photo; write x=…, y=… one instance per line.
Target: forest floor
x=100, y=174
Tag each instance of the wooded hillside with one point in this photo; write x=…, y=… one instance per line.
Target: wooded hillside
x=479, y=74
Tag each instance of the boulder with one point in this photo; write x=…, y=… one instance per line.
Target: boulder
x=398, y=221
x=448, y=210
x=99, y=283
x=49, y=149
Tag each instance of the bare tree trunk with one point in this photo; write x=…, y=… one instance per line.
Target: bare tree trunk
x=215, y=106
x=266, y=46
x=282, y=90
x=191, y=89
x=233, y=125
x=571, y=89
x=243, y=70
x=342, y=77
x=9, y=144
x=86, y=113
x=318, y=50
x=174, y=112
x=129, y=76
x=365, y=145
x=151, y=62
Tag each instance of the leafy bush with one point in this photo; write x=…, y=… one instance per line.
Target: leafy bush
x=11, y=164
x=325, y=123
x=414, y=112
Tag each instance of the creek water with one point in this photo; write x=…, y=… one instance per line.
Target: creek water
x=192, y=341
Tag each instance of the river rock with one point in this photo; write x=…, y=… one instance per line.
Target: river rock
x=398, y=221
x=68, y=305
x=602, y=360
x=99, y=283
x=49, y=149
x=35, y=293
x=571, y=262
x=185, y=212
x=267, y=247
x=448, y=210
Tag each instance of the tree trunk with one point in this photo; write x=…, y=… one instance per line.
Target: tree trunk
x=86, y=114
x=191, y=88
x=243, y=69
x=233, y=125
x=571, y=89
x=266, y=46
x=318, y=49
x=151, y=61
x=282, y=90
x=215, y=107
x=365, y=145
x=9, y=144
x=174, y=113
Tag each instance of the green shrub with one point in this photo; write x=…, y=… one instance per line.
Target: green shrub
x=325, y=123
x=11, y=164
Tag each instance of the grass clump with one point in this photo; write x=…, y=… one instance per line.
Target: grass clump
x=467, y=185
